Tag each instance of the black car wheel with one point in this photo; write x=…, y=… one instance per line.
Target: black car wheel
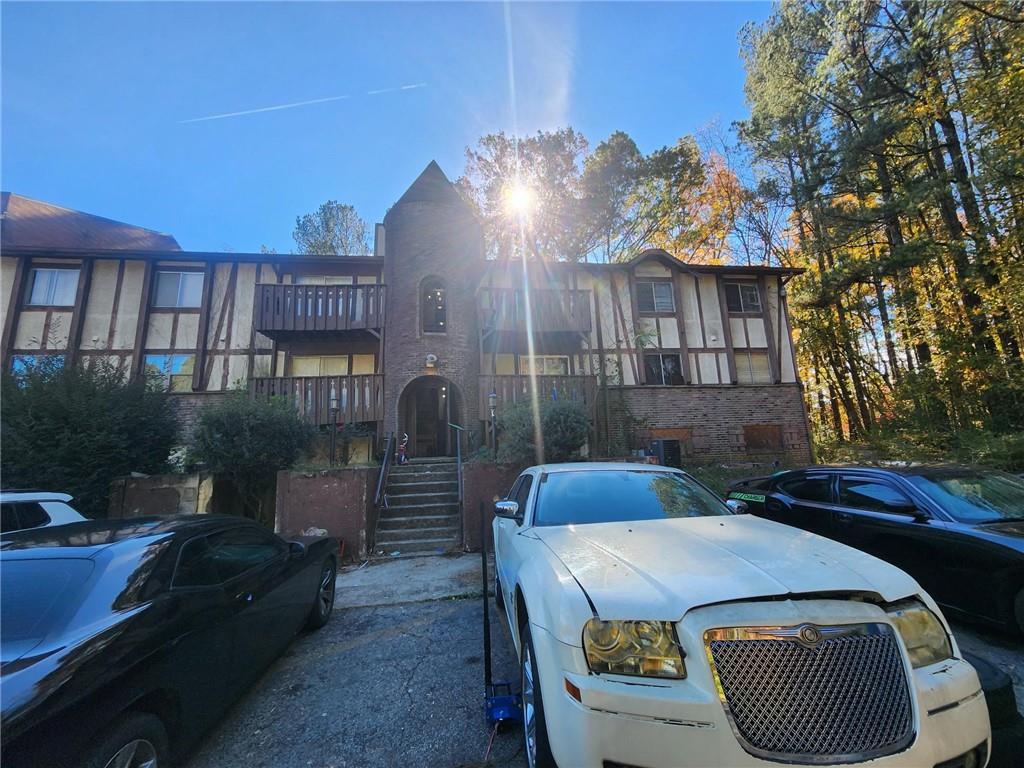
x=535, y=731
x=324, y=603
x=138, y=740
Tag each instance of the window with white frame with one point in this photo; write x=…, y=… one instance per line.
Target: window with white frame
x=742, y=297
x=54, y=287
x=544, y=365
x=180, y=290
x=655, y=297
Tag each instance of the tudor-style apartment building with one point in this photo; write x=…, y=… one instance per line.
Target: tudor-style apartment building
x=695, y=360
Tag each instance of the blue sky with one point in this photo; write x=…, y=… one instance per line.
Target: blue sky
x=95, y=97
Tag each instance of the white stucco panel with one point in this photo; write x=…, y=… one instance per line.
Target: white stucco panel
x=100, y=305
x=691, y=312
x=708, y=362
x=128, y=305
x=158, y=330
x=756, y=336
x=739, y=331
x=187, y=335
x=29, y=334
x=713, y=328
x=669, y=332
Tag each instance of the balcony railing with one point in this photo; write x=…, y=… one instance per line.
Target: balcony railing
x=358, y=398
x=516, y=389
x=552, y=310
x=318, y=307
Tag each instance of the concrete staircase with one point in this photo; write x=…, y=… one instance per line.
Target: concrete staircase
x=423, y=508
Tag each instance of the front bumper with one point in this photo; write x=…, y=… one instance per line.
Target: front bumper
x=652, y=723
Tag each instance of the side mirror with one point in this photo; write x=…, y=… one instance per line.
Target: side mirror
x=509, y=509
x=296, y=549
x=905, y=507
x=737, y=505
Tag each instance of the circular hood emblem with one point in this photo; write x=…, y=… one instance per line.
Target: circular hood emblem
x=810, y=635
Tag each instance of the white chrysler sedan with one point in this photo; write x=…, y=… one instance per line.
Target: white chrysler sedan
x=656, y=628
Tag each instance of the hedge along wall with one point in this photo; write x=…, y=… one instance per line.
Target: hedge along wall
x=337, y=500
x=483, y=483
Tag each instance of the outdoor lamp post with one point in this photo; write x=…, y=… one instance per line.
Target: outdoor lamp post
x=492, y=404
x=334, y=426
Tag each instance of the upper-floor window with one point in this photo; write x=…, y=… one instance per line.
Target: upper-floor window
x=54, y=287
x=434, y=304
x=655, y=297
x=742, y=297
x=178, y=289
x=544, y=365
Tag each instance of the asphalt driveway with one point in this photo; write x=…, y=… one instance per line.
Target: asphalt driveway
x=380, y=685
x=396, y=678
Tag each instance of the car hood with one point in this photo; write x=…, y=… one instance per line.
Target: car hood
x=660, y=569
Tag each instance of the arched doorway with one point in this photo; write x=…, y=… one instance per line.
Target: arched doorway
x=426, y=407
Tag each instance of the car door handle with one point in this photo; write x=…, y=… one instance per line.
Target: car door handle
x=244, y=597
x=843, y=517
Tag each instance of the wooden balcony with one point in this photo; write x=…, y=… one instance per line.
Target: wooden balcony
x=359, y=398
x=516, y=389
x=282, y=309
x=551, y=310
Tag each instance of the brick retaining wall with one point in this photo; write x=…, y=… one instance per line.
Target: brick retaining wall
x=710, y=421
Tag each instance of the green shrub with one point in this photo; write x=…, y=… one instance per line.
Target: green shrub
x=248, y=441
x=75, y=429
x=564, y=427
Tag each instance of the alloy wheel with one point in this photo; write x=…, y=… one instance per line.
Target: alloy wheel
x=529, y=711
x=135, y=754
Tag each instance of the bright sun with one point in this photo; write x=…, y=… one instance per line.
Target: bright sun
x=520, y=199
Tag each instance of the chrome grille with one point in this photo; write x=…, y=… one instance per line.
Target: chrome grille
x=814, y=694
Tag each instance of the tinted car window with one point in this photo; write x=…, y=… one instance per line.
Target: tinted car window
x=15, y=517
x=523, y=493
x=237, y=550
x=36, y=596
x=817, y=488
x=974, y=497
x=573, y=498
x=867, y=494
x=195, y=565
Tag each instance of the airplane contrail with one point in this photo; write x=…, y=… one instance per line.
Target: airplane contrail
x=297, y=104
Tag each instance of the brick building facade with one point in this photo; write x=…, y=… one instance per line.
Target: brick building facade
x=695, y=361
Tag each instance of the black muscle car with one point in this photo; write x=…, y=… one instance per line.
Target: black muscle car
x=959, y=531
x=123, y=640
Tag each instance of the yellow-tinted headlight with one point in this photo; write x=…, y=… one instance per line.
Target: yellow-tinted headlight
x=922, y=633
x=646, y=648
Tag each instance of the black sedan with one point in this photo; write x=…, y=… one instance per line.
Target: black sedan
x=958, y=531
x=122, y=641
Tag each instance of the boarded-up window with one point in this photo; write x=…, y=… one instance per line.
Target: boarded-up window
x=763, y=437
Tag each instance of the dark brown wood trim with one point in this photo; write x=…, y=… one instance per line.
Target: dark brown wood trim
x=208, y=368
x=14, y=308
x=640, y=370
x=229, y=304
x=78, y=313
x=209, y=273
x=118, y=283
x=142, y=324
x=44, y=340
x=681, y=327
x=700, y=310
x=769, y=331
x=726, y=330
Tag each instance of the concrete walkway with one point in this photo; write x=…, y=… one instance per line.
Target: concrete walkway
x=408, y=580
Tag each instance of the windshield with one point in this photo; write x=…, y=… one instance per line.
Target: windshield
x=36, y=596
x=605, y=496
x=974, y=497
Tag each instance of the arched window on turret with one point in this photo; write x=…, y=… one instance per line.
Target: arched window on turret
x=434, y=305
